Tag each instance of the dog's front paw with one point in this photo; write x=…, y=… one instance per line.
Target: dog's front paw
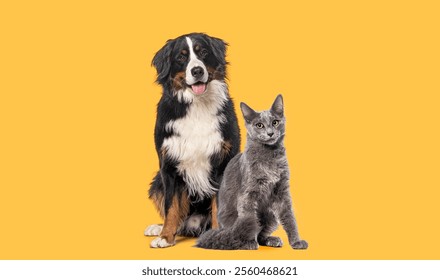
x=300, y=245
x=153, y=230
x=161, y=242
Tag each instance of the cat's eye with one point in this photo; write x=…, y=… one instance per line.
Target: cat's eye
x=259, y=125
x=276, y=123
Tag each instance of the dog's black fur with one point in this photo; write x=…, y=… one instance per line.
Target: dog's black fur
x=169, y=190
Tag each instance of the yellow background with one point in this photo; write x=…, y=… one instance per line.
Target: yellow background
x=360, y=80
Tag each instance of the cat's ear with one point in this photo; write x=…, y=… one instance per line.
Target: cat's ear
x=278, y=106
x=248, y=113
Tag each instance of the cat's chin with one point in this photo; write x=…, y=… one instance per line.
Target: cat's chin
x=270, y=142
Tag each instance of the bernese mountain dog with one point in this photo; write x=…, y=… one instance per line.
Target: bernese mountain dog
x=196, y=135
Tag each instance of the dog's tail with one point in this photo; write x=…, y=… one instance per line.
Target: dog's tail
x=241, y=236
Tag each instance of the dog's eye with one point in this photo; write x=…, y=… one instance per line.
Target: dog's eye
x=203, y=53
x=259, y=125
x=181, y=58
x=275, y=123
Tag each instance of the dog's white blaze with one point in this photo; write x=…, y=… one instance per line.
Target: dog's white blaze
x=194, y=62
x=197, y=137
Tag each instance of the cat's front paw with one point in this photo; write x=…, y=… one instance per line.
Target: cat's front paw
x=271, y=241
x=274, y=241
x=300, y=245
x=251, y=245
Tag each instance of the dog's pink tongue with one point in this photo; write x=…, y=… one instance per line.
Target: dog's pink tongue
x=198, y=89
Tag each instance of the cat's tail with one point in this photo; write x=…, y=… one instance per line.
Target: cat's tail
x=242, y=236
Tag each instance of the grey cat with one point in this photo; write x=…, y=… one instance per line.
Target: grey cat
x=254, y=196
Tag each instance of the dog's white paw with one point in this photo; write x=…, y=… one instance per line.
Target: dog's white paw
x=153, y=230
x=160, y=243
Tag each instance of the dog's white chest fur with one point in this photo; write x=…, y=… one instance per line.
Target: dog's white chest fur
x=196, y=137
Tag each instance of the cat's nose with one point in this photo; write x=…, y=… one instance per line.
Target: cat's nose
x=270, y=134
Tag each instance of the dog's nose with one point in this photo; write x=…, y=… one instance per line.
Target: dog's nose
x=270, y=134
x=197, y=72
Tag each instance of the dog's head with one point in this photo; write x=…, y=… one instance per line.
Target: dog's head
x=191, y=62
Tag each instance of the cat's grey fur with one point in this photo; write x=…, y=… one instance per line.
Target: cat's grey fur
x=254, y=196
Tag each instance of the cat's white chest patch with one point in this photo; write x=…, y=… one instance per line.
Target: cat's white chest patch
x=196, y=137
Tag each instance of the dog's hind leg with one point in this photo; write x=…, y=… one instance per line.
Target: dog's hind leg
x=199, y=219
x=194, y=225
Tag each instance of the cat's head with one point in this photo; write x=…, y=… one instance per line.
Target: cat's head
x=265, y=127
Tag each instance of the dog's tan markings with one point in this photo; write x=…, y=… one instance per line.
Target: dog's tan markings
x=184, y=205
x=178, y=80
x=226, y=149
x=184, y=52
x=214, y=211
x=174, y=218
x=159, y=202
x=214, y=74
x=163, y=152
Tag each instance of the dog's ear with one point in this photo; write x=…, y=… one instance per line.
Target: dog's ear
x=219, y=49
x=162, y=61
x=248, y=113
